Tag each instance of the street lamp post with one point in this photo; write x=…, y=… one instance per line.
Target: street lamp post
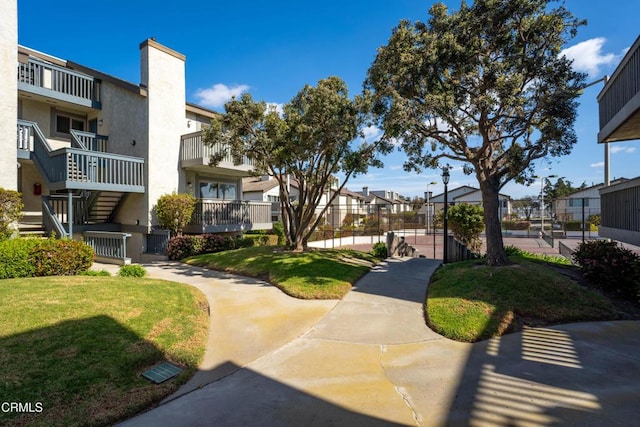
x=542, y=178
x=428, y=216
x=445, y=244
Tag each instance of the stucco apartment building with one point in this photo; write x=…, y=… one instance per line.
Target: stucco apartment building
x=94, y=152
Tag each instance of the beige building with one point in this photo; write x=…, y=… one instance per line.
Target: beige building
x=94, y=152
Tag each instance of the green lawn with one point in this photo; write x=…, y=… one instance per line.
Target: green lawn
x=79, y=344
x=469, y=301
x=314, y=274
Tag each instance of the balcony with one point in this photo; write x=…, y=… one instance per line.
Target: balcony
x=194, y=154
x=77, y=168
x=52, y=81
x=218, y=216
x=619, y=101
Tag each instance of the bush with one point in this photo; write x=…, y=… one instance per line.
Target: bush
x=184, y=246
x=467, y=222
x=513, y=251
x=181, y=247
x=15, y=258
x=133, y=270
x=278, y=230
x=577, y=226
x=10, y=211
x=61, y=257
x=174, y=211
x=516, y=225
x=262, y=240
x=610, y=266
x=379, y=250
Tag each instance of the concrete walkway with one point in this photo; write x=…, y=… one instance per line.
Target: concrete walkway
x=370, y=360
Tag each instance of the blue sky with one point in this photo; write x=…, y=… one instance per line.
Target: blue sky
x=273, y=48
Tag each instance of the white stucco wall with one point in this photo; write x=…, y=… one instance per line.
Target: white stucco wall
x=8, y=91
x=163, y=73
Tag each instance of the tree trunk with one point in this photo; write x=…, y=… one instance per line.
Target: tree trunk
x=496, y=255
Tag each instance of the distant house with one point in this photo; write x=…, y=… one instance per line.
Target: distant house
x=472, y=196
x=265, y=189
x=570, y=207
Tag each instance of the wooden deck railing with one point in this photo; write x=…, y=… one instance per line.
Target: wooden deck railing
x=228, y=212
x=108, y=246
x=77, y=168
x=45, y=76
x=193, y=148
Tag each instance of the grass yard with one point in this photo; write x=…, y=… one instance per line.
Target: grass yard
x=315, y=274
x=469, y=301
x=78, y=345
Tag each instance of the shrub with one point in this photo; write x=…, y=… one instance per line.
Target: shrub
x=610, y=266
x=577, y=226
x=513, y=251
x=133, y=270
x=15, y=258
x=61, y=257
x=10, y=211
x=379, y=250
x=467, y=222
x=174, y=211
x=244, y=242
x=278, y=230
x=184, y=246
x=516, y=225
x=262, y=240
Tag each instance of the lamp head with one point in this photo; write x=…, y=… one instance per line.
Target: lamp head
x=445, y=174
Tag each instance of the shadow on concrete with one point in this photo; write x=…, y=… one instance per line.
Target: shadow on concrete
x=246, y=397
x=550, y=376
x=402, y=279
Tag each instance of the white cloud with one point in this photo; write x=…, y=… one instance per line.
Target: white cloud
x=371, y=132
x=218, y=94
x=597, y=165
x=587, y=56
x=621, y=149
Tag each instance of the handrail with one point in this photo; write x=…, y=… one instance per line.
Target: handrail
x=44, y=75
x=230, y=212
x=89, y=140
x=193, y=147
x=79, y=168
x=50, y=220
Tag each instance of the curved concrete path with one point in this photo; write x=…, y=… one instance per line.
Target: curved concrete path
x=370, y=360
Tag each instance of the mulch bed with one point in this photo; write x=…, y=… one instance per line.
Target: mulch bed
x=629, y=310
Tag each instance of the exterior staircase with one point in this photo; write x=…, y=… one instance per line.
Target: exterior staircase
x=31, y=225
x=104, y=206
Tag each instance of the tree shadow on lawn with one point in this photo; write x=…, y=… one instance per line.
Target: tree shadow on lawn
x=84, y=371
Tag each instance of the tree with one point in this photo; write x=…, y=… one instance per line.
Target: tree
x=485, y=86
x=466, y=222
x=174, y=211
x=10, y=211
x=311, y=142
x=560, y=188
x=527, y=205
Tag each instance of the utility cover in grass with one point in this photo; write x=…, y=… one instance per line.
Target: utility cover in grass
x=162, y=372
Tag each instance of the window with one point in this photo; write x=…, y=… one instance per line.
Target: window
x=577, y=203
x=273, y=198
x=64, y=122
x=218, y=190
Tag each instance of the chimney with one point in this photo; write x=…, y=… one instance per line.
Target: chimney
x=365, y=191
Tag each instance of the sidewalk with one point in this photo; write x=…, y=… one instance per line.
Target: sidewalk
x=370, y=360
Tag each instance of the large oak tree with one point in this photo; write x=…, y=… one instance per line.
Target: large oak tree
x=486, y=86
x=310, y=142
